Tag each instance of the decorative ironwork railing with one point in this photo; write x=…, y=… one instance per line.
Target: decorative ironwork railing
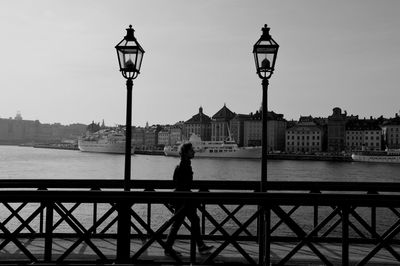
x=92, y=221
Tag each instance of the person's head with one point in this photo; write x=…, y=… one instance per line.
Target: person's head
x=186, y=150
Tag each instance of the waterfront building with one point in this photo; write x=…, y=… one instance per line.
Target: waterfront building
x=170, y=135
x=307, y=136
x=337, y=131
x=175, y=133
x=247, y=130
x=363, y=135
x=164, y=136
x=220, y=124
x=391, y=132
x=19, y=131
x=237, y=128
x=151, y=136
x=199, y=124
x=252, y=130
x=276, y=128
x=138, y=137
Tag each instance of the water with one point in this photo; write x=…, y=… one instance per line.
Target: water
x=31, y=163
x=34, y=163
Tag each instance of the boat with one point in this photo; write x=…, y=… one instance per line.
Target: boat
x=386, y=156
x=216, y=149
x=104, y=141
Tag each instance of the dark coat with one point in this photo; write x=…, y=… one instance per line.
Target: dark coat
x=183, y=176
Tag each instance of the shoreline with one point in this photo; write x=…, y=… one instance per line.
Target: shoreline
x=299, y=157
x=303, y=157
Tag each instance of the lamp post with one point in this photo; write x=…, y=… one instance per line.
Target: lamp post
x=130, y=55
x=265, y=51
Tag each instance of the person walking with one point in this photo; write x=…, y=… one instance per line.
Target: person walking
x=183, y=177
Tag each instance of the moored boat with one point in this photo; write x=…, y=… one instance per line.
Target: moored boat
x=104, y=141
x=387, y=156
x=216, y=149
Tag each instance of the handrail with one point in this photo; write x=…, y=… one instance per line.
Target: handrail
x=339, y=210
x=248, y=198
x=151, y=184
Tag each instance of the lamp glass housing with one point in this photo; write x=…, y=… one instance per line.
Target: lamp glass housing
x=265, y=51
x=130, y=55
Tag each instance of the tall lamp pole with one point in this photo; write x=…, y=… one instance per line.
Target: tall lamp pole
x=265, y=51
x=130, y=55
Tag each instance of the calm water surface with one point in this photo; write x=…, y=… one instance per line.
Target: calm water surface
x=27, y=162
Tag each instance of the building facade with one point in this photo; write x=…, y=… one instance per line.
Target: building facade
x=175, y=133
x=164, y=137
x=337, y=131
x=305, y=137
x=220, y=124
x=246, y=130
x=363, y=135
x=170, y=135
x=138, y=136
x=237, y=128
x=151, y=137
x=276, y=128
x=199, y=124
x=18, y=131
x=391, y=132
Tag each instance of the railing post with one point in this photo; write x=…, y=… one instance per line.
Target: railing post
x=316, y=210
x=263, y=242
x=149, y=212
x=267, y=211
x=94, y=211
x=203, y=218
x=345, y=235
x=123, y=232
x=48, y=242
x=373, y=215
x=192, y=246
x=41, y=216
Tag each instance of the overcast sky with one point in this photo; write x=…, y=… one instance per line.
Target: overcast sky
x=58, y=62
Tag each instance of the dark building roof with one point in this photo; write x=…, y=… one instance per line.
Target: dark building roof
x=224, y=114
x=241, y=117
x=199, y=118
x=364, y=124
x=337, y=115
x=306, y=119
x=392, y=121
x=273, y=116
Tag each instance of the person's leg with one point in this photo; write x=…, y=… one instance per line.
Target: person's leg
x=175, y=226
x=195, y=225
x=195, y=229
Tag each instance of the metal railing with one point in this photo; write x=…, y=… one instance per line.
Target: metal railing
x=40, y=216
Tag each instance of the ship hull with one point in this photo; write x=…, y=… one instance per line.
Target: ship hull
x=376, y=158
x=99, y=147
x=242, y=153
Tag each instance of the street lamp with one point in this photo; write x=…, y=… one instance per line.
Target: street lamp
x=130, y=55
x=265, y=51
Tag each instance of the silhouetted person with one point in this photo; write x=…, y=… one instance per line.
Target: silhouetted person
x=183, y=177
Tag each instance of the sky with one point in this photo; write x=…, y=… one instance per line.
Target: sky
x=58, y=63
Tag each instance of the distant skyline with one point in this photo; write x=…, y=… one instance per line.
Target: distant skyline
x=58, y=62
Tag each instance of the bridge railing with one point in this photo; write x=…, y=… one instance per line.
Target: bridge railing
x=40, y=216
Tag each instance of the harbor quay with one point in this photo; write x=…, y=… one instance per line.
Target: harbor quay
x=95, y=222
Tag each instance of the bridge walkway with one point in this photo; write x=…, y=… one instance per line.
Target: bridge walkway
x=155, y=254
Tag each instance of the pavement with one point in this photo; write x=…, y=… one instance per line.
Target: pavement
x=155, y=253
